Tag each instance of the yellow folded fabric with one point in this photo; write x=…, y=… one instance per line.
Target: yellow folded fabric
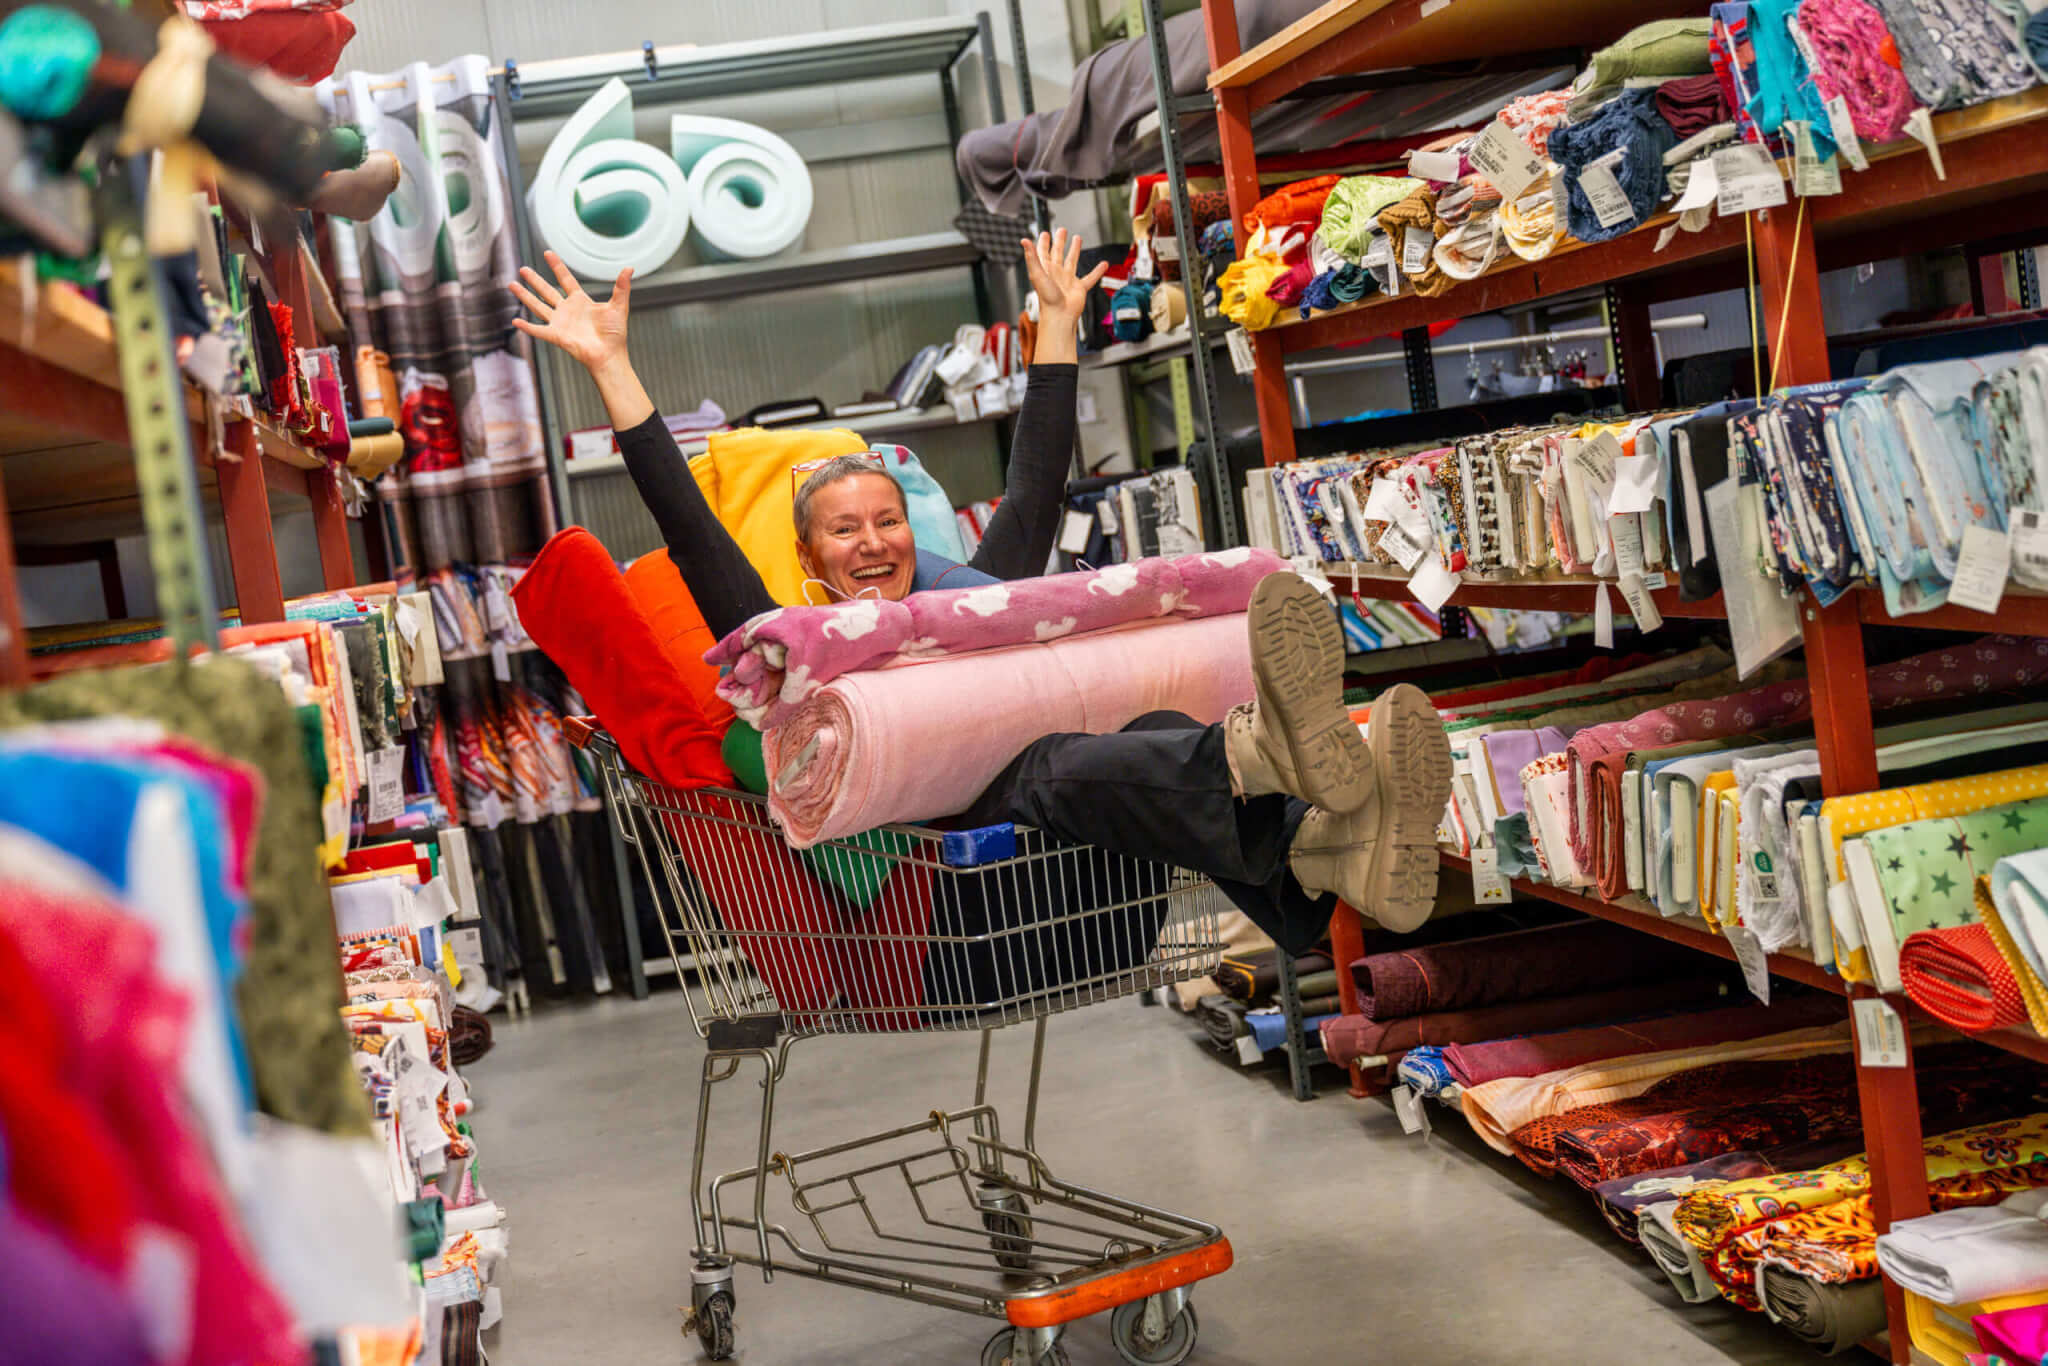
x=1243, y=287
x=1497, y=1108
x=2032, y=991
x=745, y=476
x=1707, y=849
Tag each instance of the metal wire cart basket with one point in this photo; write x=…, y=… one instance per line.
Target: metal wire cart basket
x=911, y=928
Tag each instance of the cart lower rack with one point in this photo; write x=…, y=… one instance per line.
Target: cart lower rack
x=904, y=929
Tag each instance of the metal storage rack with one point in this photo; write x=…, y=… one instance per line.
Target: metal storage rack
x=673, y=74
x=1995, y=175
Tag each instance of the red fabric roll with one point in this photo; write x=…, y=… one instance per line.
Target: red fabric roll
x=299, y=45
x=1959, y=977
x=575, y=604
x=1475, y=1063
x=1527, y=965
x=1354, y=1036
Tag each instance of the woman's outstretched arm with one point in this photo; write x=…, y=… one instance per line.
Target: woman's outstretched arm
x=1019, y=539
x=727, y=588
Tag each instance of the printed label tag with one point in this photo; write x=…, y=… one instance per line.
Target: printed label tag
x=1240, y=343
x=1880, y=1033
x=386, y=785
x=1749, y=179
x=1416, y=245
x=1409, y=1110
x=2029, y=547
x=1442, y=167
x=1489, y=888
x=1640, y=605
x=1982, y=569
x=1433, y=584
x=1920, y=127
x=1603, y=617
x=1843, y=126
x=1628, y=546
x=1405, y=549
x=1248, y=1050
x=1610, y=202
x=1379, y=251
x=1756, y=968
x=501, y=662
x=1074, y=532
x=1811, y=173
x=1502, y=157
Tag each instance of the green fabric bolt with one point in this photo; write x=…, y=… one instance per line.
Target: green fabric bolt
x=46, y=60
x=289, y=996
x=313, y=746
x=1927, y=868
x=1663, y=48
x=425, y=1224
x=1354, y=204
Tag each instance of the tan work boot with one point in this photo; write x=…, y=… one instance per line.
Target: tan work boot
x=1382, y=858
x=1297, y=737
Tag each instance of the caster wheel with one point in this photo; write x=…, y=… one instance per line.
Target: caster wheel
x=1010, y=1236
x=714, y=1326
x=997, y=1353
x=1127, y=1335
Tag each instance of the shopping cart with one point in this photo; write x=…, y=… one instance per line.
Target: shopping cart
x=911, y=928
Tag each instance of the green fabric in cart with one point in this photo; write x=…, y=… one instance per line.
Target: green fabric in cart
x=860, y=872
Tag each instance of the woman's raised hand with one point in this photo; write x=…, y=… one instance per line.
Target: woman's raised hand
x=1052, y=260
x=594, y=333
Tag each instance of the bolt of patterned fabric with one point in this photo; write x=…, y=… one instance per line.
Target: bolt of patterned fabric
x=1856, y=59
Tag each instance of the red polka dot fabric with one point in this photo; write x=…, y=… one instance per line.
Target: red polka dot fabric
x=1959, y=977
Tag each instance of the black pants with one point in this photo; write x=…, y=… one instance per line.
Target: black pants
x=1159, y=789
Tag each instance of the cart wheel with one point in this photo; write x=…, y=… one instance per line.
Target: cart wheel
x=1009, y=1228
x=997, y=1353
x=1127, y=1335
x=714, y=1326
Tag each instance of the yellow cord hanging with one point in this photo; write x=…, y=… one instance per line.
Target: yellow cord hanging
x=1749, y=291
x=1785, y=310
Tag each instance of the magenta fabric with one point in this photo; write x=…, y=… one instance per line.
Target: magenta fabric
x=57, y=1308
x=1353, y=1036
x=2018, y=1334
x=126, y=1026
x=1989, y=664
x=1526, y=965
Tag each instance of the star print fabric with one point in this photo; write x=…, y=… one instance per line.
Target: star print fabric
x=1928, y=869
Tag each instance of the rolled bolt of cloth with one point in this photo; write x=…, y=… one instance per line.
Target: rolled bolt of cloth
x=1980, y=1252
x=1535, y=116
x=1829, y=1318
x=779, y=658
x=1957, y=976
x=1530, y=223
x=2033, y=988
x=1630, y=122
x=1663, y=48
x=1468, y=248
x=1288, y=288
x=1352, y=209
x=1298, y=202
x=1691, y=103
x=1417, y=212
x=1553, y=960
x=1855, y=59
x=1954, y=53
x=1597, y=754
x=2019, y=891
x=1784, y=88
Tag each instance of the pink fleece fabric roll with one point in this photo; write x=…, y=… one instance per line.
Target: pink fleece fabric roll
x=917, y=742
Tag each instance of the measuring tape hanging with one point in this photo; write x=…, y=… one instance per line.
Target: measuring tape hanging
x=158, y=428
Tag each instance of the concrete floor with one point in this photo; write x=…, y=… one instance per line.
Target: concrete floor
x=1354, y=1242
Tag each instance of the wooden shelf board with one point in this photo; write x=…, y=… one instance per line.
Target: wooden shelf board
x=1688, y=930
x=1542, y=593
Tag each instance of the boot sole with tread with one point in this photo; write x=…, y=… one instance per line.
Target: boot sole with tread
x=1412, y=757
x=1298, y=668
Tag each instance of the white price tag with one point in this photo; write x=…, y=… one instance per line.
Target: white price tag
x=1656, y=581
x=1409, y=1110
x=1384, y=503
x=1248, y=1050
x=1596, y=460
x=1468, y=809
x=1756, y=969
x=1603, y=617
x=2029, y=546
x=1405, y=549
x=593, y=443
x=1442, y=167
x=497, y=609
x=1105, y=516
x=1638, y=479
x=1981, y=570
x=1240, y=343
x=1075, y=528
x=1628, y=547
x=1433, y=584
x=1502, y=157
x=1379, y=252
x=1748, y=179
x=1880, y=1033
x=1811, y=173
x=1920, y=127
x=1843, y=126
x=1702, y=186
x=1416, y=245
x=1640, y=605
x=501, y=662
x=1489, y=888
x=1610, y=202
x=386, y=785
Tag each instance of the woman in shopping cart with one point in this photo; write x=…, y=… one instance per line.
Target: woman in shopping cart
x=1284, y=803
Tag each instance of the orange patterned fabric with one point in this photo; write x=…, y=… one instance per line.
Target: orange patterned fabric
x=1299, y=202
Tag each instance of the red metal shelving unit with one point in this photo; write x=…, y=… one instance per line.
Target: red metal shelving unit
x=1995, y=175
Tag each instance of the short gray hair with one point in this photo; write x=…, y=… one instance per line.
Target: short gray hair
x=831, y=472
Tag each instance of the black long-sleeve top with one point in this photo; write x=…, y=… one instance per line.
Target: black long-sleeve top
x=727, y=588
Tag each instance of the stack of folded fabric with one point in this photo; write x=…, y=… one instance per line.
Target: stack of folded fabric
x=1977, y=1252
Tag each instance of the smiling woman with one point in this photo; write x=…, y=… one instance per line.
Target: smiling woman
x=853, y=528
